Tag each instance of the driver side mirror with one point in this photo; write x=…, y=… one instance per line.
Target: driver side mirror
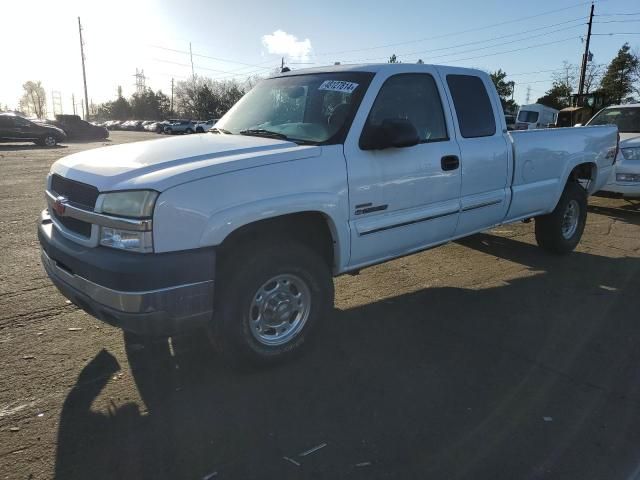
x=391, y=133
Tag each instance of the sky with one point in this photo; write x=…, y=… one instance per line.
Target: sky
x=229, y=40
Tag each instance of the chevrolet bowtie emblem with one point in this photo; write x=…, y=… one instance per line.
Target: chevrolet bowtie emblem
x=60, y=205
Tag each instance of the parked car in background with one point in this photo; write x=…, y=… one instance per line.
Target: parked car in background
x=202, y=127
x=180, y=126
x=535, y=116
x=112, y=124
x=165, y=123
x=150, y=126
x=625, y=177
x=77, y=129
x=14, y=128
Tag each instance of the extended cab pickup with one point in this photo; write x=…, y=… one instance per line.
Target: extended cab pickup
x=312, y=174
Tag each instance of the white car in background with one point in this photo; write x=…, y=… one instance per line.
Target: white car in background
x=535, y=116
x=625, y=176
x=202, y=127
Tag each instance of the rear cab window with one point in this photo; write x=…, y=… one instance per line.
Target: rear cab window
x=473, y=106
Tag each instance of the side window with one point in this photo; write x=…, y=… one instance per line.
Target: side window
x=413, y=97
x=473, y=107
x=21, y=122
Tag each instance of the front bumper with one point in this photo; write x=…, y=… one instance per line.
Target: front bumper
x=148, y=294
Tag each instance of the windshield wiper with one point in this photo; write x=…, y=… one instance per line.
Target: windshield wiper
x=219, y=130
x=261, y=132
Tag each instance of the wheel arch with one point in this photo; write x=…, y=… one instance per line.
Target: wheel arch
x=318, y=227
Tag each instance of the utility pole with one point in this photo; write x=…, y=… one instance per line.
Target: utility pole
x=585, y=57
x=171, y=97
x=73, y=102
x=84, y=73
x=193, y=75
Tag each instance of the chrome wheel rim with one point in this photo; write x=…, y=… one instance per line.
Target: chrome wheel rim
x=570, y=219
x=279, y=309
x=49, y=141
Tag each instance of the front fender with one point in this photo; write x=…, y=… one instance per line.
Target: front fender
x=222, y=223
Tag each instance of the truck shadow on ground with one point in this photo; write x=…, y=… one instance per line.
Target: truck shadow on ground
x=627, y=212
x=535, y=377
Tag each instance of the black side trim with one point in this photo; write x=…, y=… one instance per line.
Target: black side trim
x=404, y=224
x=377, y=208
x=482, y=205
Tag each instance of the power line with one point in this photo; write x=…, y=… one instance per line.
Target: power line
x=210, y=57
x=454, y=33
x=617, y=33
x=616, y=14
x=516, y=50
x=472, y=43
x=620, y=21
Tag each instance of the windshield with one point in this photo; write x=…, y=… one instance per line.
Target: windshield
x=311, y=108
x=527, y=116
x=626, y=119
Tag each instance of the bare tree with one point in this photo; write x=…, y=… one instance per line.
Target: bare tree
x=34, y=99
x=593, y=76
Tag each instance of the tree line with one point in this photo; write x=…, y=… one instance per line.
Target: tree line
x=205, y=98
x=197, y=98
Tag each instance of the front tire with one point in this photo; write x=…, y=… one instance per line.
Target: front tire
x=560, y=231
x=269, y=301
x=188, y=131
x=48, y=141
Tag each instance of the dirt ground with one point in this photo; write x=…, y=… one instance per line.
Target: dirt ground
x=483, y=359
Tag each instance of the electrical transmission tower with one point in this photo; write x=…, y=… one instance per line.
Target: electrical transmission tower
x=528, y=94
x=140, y=81
x=56, y=102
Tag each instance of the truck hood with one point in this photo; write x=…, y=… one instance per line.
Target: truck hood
x=163, y=163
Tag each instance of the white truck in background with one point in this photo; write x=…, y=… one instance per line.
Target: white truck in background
x=535, y=116
x=312, y=174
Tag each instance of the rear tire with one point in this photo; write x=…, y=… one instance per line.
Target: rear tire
x=269, y=301
x=199, y=130
x=560, y=231
x=188, y=131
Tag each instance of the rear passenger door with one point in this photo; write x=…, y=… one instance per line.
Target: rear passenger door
x=485, y=155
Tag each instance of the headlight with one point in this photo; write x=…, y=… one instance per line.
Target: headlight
x=627, y=177
x=631, y=153
x=133, y=203
x=126, y=239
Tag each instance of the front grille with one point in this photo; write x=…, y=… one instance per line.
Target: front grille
x=77, y=193
x=75, y=225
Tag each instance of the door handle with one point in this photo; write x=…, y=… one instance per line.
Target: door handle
x=450, y=162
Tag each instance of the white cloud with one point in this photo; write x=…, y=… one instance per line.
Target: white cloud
x=283, y=43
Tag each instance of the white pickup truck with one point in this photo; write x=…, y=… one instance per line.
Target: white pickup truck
x=312, y=174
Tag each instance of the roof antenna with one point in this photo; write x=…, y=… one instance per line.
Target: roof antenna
x=284, y=69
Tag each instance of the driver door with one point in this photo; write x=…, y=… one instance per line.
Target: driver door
x=403, y=199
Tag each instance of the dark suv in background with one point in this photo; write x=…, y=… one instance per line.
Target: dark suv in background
x=14, y=128
x=78, y=129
